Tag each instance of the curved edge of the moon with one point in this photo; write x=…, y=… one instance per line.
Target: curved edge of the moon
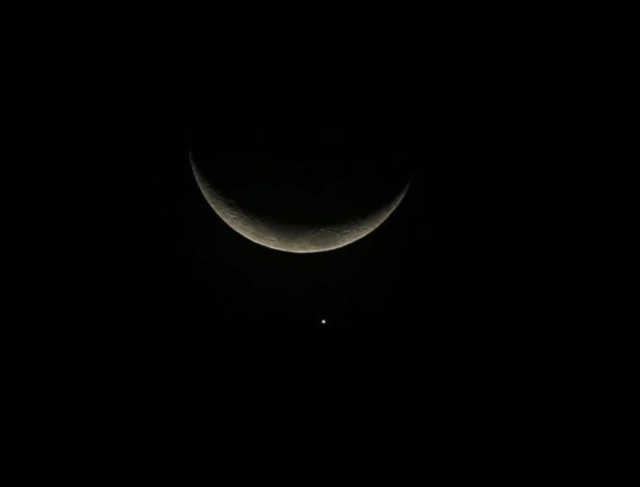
x=241, y=221
x=298, y=240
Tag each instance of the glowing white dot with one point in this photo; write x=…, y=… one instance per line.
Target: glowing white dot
x=324, y=322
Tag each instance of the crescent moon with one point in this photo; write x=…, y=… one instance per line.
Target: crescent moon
x=298, y=239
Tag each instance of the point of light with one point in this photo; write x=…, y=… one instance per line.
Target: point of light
x=324, y=322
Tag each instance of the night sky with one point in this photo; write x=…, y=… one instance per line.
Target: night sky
x=486, y=310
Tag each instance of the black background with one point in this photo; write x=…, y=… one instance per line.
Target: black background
x=486, y=310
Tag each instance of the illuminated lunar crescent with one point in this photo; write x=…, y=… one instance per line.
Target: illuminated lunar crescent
x=299, y=237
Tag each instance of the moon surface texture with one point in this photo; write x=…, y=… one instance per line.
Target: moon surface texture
x=294, y=201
